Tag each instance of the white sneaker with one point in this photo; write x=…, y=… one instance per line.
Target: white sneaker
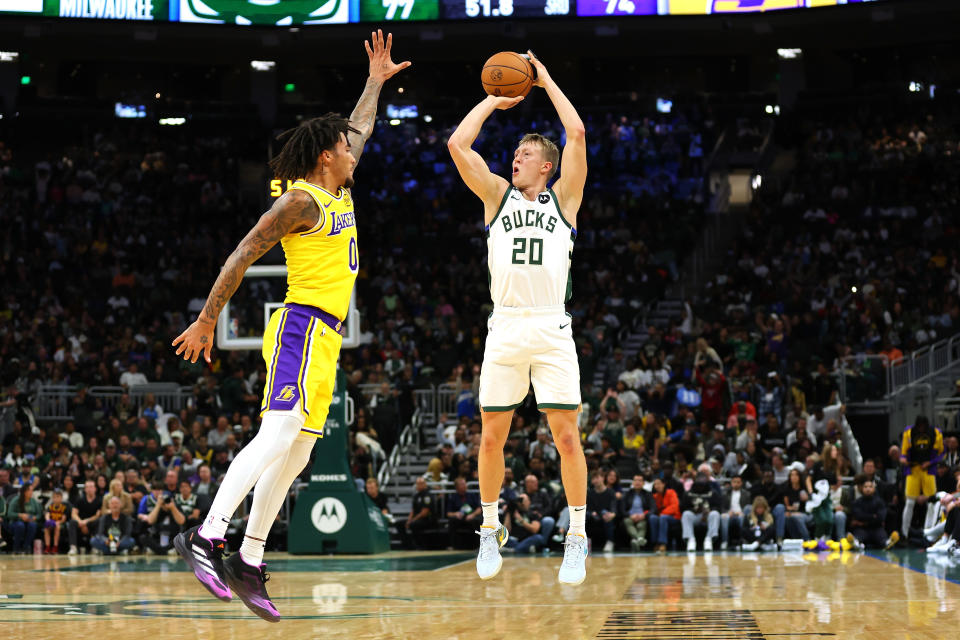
x=73, y=550
x=691, y=544
x=708, y=544
x=488, y=558
x=934, y=532
x=608, y=547
x=944, y=545
x=750, y=546
x=724, y=546
x=573, y=570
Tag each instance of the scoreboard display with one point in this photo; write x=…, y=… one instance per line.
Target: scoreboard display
x=318, y=12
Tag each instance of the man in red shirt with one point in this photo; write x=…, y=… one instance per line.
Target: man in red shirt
x=668, y=513
x=712, y=387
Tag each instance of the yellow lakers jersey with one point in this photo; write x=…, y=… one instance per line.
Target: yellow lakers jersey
x=322, y=262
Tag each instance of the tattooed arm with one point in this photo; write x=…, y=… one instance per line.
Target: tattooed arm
x=382, y=67
x=293, y=211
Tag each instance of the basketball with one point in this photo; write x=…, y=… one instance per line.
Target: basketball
x=507, y=74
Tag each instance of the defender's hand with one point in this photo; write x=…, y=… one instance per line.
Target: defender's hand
x=382, y=67
x=499, y=102
x=543, y=76
x=197, y=339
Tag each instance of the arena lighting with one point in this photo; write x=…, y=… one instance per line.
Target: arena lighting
x=172, y=121
x=853, y=289
x=664, y=105
x=395, y=122
x=402, y=111
x=9, y=56
x=25, y=80
x=289, y=87
x=790, y=54
x=756, y=181
x=428, y=118
x=263, y=65
x=915, y=87
x=772, y=109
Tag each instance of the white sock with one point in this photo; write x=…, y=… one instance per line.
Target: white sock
x=251, y=551
x=490, y=516
x=933, y=511
x=278, y=431
x=907, y=516
x=578, y=520
x=269, y=494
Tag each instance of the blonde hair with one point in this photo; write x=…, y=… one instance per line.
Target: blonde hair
x=549, y=150
x=116, y=488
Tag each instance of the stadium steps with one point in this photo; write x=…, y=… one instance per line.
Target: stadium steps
x=660, y=316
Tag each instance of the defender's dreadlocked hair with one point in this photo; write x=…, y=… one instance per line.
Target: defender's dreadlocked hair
x=305, y=142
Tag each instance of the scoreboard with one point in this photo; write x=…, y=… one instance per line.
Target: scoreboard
x=311, y=12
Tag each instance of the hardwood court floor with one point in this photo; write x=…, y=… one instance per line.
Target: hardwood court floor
x=901, y=595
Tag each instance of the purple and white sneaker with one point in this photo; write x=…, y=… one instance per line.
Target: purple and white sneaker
x=249, y=583
x=205, y=558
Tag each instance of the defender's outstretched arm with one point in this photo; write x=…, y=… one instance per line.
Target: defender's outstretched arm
x=382, y=68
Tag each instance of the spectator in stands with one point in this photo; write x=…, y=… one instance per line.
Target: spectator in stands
x=544, y=446
x=420, y=519
x=205, y=486
x=760, y=528
x=668, y=513
x=463, y=514
x=636, y=506
x=386, y=417
x=6, y=489
x=601, y=512
x=23, y=514
x=190, y=505
x=55, y=517
x=132, y=377
x=794, y=497
x=735, y=502
x=372, y=488
x=84, y=515
x=116, y=489
x=867, y=516
x=114, y=531
x=541, y=504
x=773, y=494
x=701, y=504
x=217, y=437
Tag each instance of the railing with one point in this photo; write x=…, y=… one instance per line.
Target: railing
x=889, y=378
x=54, y=402
x=401, y=451
x=446, y=399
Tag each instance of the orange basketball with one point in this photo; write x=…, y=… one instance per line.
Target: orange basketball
x=507, y=74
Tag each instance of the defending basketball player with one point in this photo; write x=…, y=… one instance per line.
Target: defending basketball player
x=314, y=221
x=530, y=234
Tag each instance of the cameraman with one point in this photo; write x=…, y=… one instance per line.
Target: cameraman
x=162, y=520
x=524, y=526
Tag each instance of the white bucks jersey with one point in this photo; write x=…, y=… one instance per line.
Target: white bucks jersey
x=529, y=248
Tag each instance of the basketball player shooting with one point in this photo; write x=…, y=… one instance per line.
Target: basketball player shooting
x=530, y=234
x=314, y=222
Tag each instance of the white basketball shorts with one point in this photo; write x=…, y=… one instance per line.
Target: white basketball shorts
x=529, y=344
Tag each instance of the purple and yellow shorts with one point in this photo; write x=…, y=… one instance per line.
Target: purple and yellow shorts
x=301, y=345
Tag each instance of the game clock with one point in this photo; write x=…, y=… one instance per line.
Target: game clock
x=470, y=9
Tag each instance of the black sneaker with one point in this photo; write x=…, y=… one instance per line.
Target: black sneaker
x=249, y=583
x=205, y=558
